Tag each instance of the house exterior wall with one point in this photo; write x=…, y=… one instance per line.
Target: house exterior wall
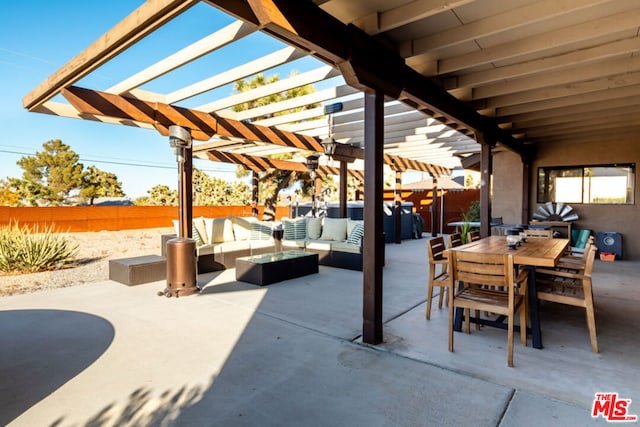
x=623, y=219
x=507, y=187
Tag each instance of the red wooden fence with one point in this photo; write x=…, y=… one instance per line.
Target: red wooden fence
x=98, y=218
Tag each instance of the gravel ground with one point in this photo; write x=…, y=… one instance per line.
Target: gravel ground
x=95, y=249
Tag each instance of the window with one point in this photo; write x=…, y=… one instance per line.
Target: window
x=600, y=184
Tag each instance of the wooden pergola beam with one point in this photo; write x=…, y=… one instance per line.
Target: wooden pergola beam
x=261, y=164
x=203, y=125
x=365, y=62
x=143, y=21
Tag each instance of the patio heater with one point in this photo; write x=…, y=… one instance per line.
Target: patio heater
x=312, y=164
x=181, y=251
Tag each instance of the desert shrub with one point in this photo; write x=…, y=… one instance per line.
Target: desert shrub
x=28, y=250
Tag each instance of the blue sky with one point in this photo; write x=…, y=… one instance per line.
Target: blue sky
x=38, y=37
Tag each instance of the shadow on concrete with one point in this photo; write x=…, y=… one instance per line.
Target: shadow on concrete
x=40, y=350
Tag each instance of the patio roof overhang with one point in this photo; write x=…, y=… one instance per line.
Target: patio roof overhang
x=517, y=73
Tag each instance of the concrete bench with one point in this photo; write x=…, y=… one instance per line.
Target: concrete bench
x=138, y=270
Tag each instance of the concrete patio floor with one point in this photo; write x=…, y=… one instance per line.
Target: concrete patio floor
x=290, y=355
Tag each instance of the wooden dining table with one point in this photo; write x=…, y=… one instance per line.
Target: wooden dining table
x=534, y=252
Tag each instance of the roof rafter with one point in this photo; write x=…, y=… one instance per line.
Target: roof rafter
x=364, y=62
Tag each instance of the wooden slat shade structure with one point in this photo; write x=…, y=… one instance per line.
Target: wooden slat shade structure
x=204, y=126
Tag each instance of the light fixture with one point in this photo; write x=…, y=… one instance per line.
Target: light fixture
x=329, y=144
x=313, y=162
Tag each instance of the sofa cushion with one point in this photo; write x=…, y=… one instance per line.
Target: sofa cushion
x=242, y=227
x=314, y=228
x=319, y=245
x=334, y=229
x=345, y=247
x=262, y=230
x=261, y=244
x=219, y=230
x=293, y=244
x=355, y=237
x=294, y=229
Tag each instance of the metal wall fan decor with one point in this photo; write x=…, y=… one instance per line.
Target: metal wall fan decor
x=555, y=212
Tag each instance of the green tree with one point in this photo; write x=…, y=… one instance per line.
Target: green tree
x=8, y=197
x=50, y=176
x=159, y=195
x=208, y=191
x=98, y=183
x=274, y=180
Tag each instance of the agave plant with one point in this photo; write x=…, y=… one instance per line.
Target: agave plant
x=28, y=249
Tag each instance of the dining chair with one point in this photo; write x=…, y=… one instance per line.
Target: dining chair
x=494, y=271
x=435, y=250
x=571, y=288
x=454, y=240
x=472, y=236
x=537, y=233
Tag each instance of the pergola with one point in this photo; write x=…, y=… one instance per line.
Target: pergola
x=418, y=80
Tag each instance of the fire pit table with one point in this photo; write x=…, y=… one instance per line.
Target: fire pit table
x=266, y=269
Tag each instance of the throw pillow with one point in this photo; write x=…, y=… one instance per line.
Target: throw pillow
x=199, y=225
x=314, y=228
x=261, y=230
x=351, y=223
x=241, y=228
x=334, y=229
x=220, y=229
x=294, y=229
x=356, y=234
x=195, y=234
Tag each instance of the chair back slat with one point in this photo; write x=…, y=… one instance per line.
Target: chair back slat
x=436, y=248
x=536, y=233
x=454, y=240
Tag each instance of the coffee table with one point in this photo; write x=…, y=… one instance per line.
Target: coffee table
x=266, y=269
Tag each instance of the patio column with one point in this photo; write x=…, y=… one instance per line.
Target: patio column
x=486, y=171
x=526, y=187
x=398, y=207
x=373, y=244
x=434, y=208
x=254, y=194
x=343, y=189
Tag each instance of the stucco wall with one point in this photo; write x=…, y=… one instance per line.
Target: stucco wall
x=624, y=219
x=507, y=187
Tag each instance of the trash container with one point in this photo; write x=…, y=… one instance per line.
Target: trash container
x=181, y=268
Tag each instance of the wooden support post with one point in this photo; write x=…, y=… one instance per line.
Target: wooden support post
x=434, y=209
x=526, y=188
x=254, y=194
x=486, y=172
x=372, y=245
x=398, y=208
x=343, y=189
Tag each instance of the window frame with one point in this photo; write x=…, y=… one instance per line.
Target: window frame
x=545, y=174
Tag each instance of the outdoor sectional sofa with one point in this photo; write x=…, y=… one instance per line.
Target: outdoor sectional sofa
x=337, y=241
x=220, y=241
